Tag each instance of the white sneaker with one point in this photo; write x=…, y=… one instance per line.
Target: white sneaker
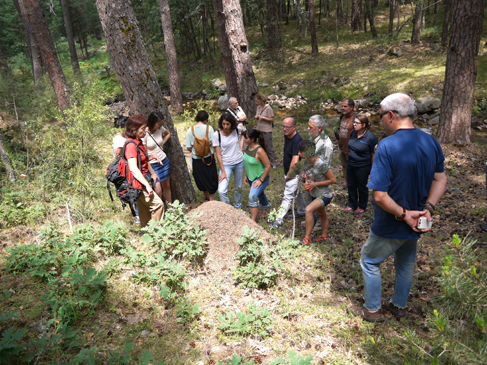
x=136, y=219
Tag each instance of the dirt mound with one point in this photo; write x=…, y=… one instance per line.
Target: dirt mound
x=223, y=224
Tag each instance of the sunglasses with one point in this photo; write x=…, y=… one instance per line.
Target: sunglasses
x=384, y=113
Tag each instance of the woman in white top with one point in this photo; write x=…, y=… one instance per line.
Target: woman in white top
x=154, y=141
x=230, y=157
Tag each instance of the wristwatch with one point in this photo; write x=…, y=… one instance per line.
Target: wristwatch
x=402, y=216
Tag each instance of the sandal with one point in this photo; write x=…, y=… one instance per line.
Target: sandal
x=321, y=239
x=305, y=241
x=264, y=212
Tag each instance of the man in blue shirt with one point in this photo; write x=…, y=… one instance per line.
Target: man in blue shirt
x=408, y=180
x=290, y=159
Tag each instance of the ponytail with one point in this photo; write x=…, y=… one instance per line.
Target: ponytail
x=255, y=135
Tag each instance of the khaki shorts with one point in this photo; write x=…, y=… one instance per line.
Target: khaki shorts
x=343, y=158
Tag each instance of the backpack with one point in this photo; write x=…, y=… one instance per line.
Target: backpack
x=125, y=191
x=201, y=146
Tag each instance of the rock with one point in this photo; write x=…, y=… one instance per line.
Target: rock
x=188, y=95
x=395, y=51
x=329, y=101
x=366, y=88
x=275, y=88
x=373, y=57
x=216, y=83
x=434, y=121
x=272, y=97
x=424, y=105
x=223, y=88
x=360, y=103
x=338, y=108
x=103, y=48
x=436, y=47
x=204, y=92
x=264, y=84
x=223, y=102
x=144, y=334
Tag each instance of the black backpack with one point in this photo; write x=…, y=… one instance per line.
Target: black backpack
x=125, y=191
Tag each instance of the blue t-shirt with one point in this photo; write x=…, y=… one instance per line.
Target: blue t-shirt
x=290, y=150
x=360, y=150
x=404, y=167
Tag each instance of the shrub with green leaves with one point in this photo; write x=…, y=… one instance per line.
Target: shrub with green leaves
x=292, y=358
x=256, y=322
x=236, y=360
x=460, y=320
x=258, y=267
x=176, y=235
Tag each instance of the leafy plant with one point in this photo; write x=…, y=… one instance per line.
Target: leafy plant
x=236, y=360
x=293, y=359
x=257, y=264
x=176, y=235
x=257, y=322
x=186, y=311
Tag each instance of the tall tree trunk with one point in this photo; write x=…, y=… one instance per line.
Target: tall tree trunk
x=417, y=23
x=312, y=28
x=34, y=51
x=339, y=4
x=392, y=4
x=139, y=83
x=234, y=46
x=461, y=72
x=370, y=15
x=446, y=21
x=48, y=53
x=69, y=35
x=356, y=15
x=172, y=60
x=6, y=160
x=273, y=30
x=4, y=70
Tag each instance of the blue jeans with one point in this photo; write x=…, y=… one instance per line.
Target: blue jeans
x=238, y=170
x=357, y=178
x=374, y=252
x=257, y=195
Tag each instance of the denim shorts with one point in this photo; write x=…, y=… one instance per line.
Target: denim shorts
x=324, y=200
x=163, y=171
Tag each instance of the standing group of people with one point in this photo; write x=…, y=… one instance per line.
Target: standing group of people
x=406, y=174
x=247, y=154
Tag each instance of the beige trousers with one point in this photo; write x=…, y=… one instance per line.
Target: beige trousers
x=150, y=208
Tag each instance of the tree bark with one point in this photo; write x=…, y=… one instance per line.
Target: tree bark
x=234, y=46
x=34, y=51
x=4, y=70
x=6, y=160
x=139, y=83
x=461, y=72
x=392, y=4
x=446, y=21
x=369, y=11
x=312, y=28
x=273, y=30
x=356, y=15
x=69, y=35
x=48, y=53
x=339, y=11
x=417, y=23
x=172, y=60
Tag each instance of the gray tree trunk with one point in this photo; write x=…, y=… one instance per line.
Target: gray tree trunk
x=461, y=72
x=446, y=21
x=273, y=30
x=69, y=35
x=417, y=23
x=234, y=46
x=48, y=52
x=139, y=83
x=6, y=160
x=312, y=28
x=171, y=57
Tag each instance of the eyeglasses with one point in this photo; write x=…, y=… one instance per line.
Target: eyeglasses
x=285, y=127
x=355, y=123
x=384, y=113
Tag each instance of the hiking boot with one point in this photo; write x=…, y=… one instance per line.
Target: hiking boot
x=366, y=315
x=396, y=311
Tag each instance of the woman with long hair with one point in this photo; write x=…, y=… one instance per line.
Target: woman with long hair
x=230, y=157
x=204, y=168
x=361, y=150
x=140, y=172
x=257, y=168
x=154, y=141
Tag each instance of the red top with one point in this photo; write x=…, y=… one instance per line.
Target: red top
x=131, y=152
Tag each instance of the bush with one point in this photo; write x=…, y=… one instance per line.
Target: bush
x=257, y=322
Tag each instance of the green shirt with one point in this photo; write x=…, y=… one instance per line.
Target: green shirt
x=253, y=169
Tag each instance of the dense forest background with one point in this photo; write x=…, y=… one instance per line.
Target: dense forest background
x=80, y=283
